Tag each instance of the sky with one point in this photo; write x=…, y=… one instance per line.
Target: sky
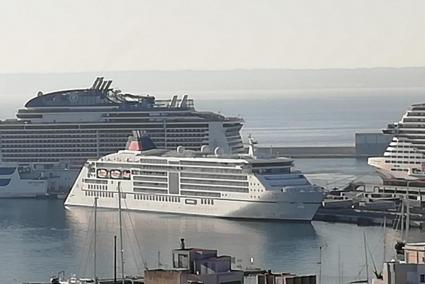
x=56, y=36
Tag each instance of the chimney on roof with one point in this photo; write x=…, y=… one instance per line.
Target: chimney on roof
x=182, y=246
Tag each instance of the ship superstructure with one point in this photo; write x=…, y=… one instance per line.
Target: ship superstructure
x=57, y=132
x=201, y=182
x=404, y=157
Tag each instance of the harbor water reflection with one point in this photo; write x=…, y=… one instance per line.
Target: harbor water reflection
x=41, y=238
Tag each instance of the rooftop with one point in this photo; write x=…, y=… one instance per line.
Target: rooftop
x=102, y=94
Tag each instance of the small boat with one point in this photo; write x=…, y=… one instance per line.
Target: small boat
x=332, y=201
x=72, y=280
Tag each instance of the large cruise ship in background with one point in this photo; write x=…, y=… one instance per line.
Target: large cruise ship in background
x=204, y=182
x=404, y=157
x=55, y=133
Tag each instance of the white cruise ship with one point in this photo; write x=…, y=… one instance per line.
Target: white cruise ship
x=57, y=132
x=20, y=182
x=197, y=183
x=404, y=157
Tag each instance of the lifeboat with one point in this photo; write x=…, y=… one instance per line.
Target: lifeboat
x=102, y=173
x=115, y=174
x=126, y=174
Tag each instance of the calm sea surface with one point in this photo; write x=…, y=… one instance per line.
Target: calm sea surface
x=313, y=117
x=40, y=237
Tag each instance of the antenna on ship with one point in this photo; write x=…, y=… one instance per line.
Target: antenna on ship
x=251, y=146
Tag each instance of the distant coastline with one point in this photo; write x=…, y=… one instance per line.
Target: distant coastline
x=208, y=80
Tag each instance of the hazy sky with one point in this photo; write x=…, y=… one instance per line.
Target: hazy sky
x=85, y=35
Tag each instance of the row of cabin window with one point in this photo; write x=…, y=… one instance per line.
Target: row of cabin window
x=99, y=194
x=157, y=198
x=207, y=201
x=402, y=162
x=96, y=186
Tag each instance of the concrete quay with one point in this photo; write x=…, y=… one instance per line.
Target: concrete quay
x=364, y=145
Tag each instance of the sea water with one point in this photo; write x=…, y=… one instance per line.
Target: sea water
x=40, y=238
x=312, y=117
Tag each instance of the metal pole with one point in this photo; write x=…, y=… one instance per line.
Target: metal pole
x=407, y=214
x=365, y=253
x=339, y=265
x=385, y=236
x=407, y=220
x=402, y=219
x=320, y=265
x=120, y=224
x=95, y=239
x=115, y=259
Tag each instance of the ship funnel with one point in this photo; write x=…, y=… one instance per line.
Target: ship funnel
x=102, y=87
x=140, y=142
x=183, y=103
x=97, y=83
x=173, y=102
x=108, y=85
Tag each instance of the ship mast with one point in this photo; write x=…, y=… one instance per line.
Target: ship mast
x=120, y=228
x=95, y=240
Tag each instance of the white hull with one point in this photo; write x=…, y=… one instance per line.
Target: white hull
x=269, y=205
x=12, y=186
x=221, y=208
x=390, y=171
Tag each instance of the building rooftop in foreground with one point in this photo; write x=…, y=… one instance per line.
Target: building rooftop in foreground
x=198, y=265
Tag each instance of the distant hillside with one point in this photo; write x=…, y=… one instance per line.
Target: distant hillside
x=151, y=81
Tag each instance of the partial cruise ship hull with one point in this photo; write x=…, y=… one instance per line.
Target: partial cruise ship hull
x=297, y=206
x=404, y=158
x=388, y=171
x=13, y=186
x=285, y=211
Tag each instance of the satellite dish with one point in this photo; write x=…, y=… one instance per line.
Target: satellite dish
x=218, y=151
x=180, y=149
x=205, y=148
